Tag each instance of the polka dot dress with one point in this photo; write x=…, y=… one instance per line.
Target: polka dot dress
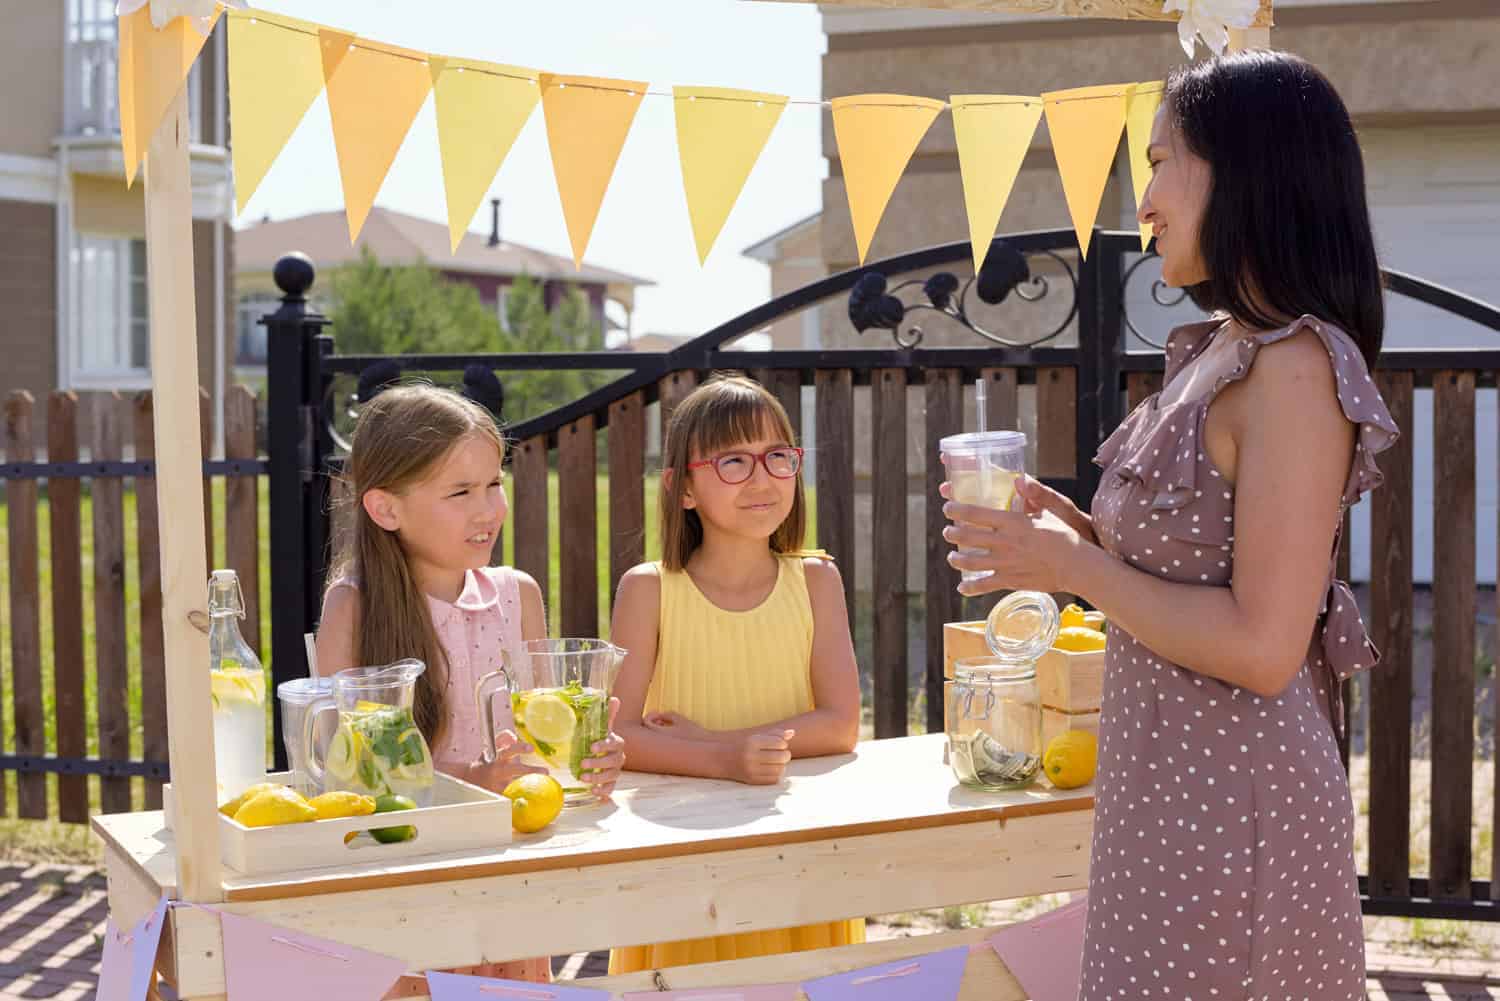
x=1223, y=853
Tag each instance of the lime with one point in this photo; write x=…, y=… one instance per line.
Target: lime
x=391, y=803
x=550, y=719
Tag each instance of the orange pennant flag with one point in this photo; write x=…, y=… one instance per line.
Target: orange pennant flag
x=153, y=67
x=720, y=135
x=1144, y=100
x=876, y=136
x=1085, y=124
x=374, y=93
x=588, y=119
x=993, y=132
x=481, y=108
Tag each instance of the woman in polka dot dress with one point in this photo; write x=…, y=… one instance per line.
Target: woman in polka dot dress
x=1223, y=863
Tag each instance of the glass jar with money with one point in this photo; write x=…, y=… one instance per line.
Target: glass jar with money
x=994, y=704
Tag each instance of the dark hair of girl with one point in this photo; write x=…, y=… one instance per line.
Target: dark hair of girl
x=1286, y=230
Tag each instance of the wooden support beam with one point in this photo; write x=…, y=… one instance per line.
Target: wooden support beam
x=179, y=491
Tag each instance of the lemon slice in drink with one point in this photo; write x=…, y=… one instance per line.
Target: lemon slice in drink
x=343, y=754
x=550, y=719
x=236, y=684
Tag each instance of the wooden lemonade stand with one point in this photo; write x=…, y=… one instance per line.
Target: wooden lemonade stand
x=882, y=830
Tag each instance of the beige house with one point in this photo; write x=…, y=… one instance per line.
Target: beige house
x=1419, y=77
x=73, y=255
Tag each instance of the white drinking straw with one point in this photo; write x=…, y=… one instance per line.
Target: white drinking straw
x=980, y=397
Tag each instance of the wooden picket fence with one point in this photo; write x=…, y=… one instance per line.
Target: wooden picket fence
x=119, y=449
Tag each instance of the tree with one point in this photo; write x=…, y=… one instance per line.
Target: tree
x=571, y=326
x=413, y=309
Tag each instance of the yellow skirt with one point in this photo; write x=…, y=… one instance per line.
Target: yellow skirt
x=634, y=958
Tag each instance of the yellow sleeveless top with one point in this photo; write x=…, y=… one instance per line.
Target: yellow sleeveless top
x=728, y=671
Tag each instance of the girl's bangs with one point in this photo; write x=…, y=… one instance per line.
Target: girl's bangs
x=736, y=419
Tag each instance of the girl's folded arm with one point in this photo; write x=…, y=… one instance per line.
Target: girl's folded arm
x=634, y=628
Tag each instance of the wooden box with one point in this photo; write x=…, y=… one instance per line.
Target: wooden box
x=1071, y=682
x=462, y=817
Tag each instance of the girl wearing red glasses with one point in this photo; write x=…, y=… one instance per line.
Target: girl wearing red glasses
x=739, y=657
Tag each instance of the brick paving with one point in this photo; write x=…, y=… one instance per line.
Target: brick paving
x=52, y=922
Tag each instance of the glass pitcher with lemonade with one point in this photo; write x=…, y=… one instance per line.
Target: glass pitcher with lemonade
x=238, y=684
x=559, y=696
x=377, y=748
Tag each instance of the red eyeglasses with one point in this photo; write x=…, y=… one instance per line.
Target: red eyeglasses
x=737, y=467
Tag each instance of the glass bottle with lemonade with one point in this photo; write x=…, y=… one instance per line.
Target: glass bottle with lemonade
x=238, y=686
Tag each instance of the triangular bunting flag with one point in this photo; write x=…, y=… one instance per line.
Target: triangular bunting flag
x=720, y=135
x=994, y=132
x=153, y=67
x=1046, y=954
x=304, y=968
x=876, y=136
x=933, y=977
x=588, y=119
x=130, y=957
x=762, y=992
x=456, y=987
x=275, y=74
x=1085, y=124
x=481, y=108
x=374, y=93
x=1140, y=112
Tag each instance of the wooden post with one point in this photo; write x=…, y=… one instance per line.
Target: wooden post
x=179, y=482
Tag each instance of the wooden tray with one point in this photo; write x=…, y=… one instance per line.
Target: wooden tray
x=463, y=817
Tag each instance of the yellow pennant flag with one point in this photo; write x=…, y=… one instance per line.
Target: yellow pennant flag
x=153, y=67
x=1140, y=112
x=374, y=92
x=481, y=108
x=994, y=131
x=876, y=136
x=720, y=135
x=275, y=74
x=588, y=119
x=1085, y=123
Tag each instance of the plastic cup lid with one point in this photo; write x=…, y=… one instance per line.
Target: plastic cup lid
x=1022, y=627
x=304, y=689
x=974, y=441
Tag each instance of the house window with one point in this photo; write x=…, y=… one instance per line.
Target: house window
x=92, y=69
x=251, y=344
x=111, y=340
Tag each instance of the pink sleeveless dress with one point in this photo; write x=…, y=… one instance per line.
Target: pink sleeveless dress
x=1223, y=851
x=473, y=630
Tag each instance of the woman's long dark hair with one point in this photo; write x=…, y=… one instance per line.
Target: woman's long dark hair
x=1286, y=229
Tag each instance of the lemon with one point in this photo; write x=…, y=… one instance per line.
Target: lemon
x=332, y=805
x=1071, y=758
x=535, y=802
x=1079, y=639
x=1072, y=615
x=366, y=706
x=343, y=754
x=274, y=807
x=232, y=807
x=550, y=719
